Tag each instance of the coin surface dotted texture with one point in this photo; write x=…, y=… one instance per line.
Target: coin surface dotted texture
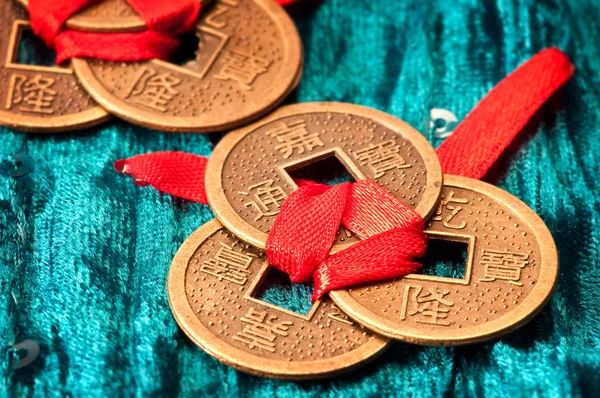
x=35, y=97
x=249, y=174
x=248, y=60
x=106, y=16
x=511, y=270
x=212, y=286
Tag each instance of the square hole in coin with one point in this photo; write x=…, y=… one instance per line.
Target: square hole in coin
x=445, y=258
x=187, y=51
x=325, y=169
x=277, y=289
x=31, y=50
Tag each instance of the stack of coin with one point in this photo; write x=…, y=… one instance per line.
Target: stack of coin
x=249, y=59
x=511, y=264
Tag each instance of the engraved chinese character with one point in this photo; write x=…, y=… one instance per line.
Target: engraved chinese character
x=294, y=137
x=430, y=307
x=216, y=17
x=503, y=265
x=33, y=95
x=338, y=315
x=266, y=199
x=448, y=221
x=228, y=264
x=153, y=90
x=242, y=68
x=382, y=158
x=262, y=330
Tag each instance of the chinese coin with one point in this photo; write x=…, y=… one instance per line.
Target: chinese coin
x=212, y=288
x=251, y=171
x=248, y=60
x=511, y=269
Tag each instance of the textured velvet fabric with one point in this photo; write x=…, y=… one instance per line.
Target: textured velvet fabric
x=84, y=253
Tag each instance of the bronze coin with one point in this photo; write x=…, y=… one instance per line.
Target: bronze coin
x=107, y=16
x=249, y=174
x=511, y=270
x=249, y=60
x=39, y=98
x=212, y=288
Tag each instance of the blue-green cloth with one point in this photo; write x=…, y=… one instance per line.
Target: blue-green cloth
x=84, y=253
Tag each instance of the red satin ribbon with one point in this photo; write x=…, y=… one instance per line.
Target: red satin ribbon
x=304, y=232
x=164, y=19
x=392, y=233
x=470, y=151
x=480, y=139
x=178, y=173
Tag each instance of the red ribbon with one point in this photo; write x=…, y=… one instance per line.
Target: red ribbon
x=164, y=19
x=389, y=252
x=178, y=173
x=392, y=233
x=304, y=232
x=480, y=139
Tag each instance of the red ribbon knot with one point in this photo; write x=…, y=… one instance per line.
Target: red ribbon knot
x=165, y=20
x=303, y=235
x=304, y=232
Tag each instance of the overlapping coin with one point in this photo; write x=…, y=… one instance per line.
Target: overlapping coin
x=511, y=270
x=212, y=287
x=248, y=60
x=249, y=174
x=34, y=97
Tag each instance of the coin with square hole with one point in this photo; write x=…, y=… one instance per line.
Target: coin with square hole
x=38, y=97
x=248, y=60
x=108, y=16
x=213, y=288
x=511, y=269
x=252, y=170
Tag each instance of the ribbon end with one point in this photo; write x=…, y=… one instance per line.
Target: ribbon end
x=120, y=166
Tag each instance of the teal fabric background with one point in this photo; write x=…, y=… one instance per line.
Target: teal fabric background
x=84, y=253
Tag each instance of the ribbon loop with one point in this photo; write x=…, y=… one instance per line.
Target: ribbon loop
x=172, y=16
x=305, y=229
x=116, y=47
x=48, y=17
x=384, y=256
x=301, y=239
x=372, y=210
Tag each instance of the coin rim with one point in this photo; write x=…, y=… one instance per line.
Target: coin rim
x=55, y=124
x=533, y=303
x=287, y=79
x=232, y=221
x=235, y=357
